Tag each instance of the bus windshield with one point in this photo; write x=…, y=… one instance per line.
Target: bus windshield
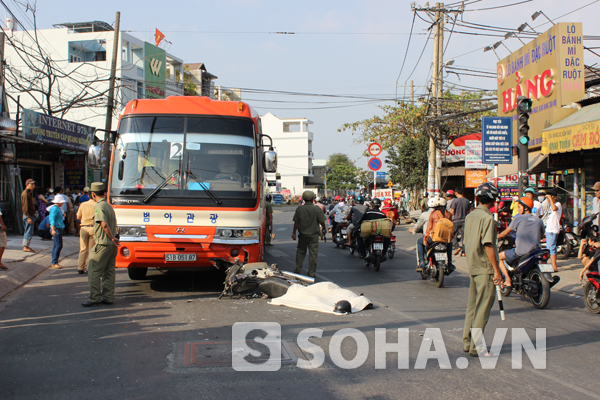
x=192, y=154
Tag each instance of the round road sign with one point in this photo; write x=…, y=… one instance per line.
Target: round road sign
x=374, y=164
x=374, y=149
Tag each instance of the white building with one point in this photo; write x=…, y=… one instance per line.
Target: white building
x=83, y=52
x=292, y=140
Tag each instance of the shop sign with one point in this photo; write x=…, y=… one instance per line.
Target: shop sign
x=382, y=193
x=510, y=181
x=75, y=172
x=56, y=131
x=550, y=71
x=155, y=71
x=474, y=178
x=572, y=138
x=473, y=155
x=456, y=151
x=559, y=161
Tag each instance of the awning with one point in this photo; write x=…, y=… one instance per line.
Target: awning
x=535, y=158
x=578, y=131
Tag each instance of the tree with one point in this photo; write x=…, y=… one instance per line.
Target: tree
x=55, y=87
x=343, y=172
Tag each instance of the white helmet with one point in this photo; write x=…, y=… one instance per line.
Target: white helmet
x=441, y=202
x=431, y=203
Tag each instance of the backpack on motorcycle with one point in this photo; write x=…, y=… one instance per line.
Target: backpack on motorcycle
x=391, y=215
x=442, y=232
x=381, y=226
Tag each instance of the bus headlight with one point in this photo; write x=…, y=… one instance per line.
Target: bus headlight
x=236, y=235
x=133, y=233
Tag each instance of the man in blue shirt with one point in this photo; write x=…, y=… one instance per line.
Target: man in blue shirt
x=85, y=196
x=56, y=226
x=44, y=229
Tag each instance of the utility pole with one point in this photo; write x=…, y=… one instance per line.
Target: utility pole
x=109, y=109
x=437, y=15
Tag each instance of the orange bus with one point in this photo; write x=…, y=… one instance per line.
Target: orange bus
x=187, y=183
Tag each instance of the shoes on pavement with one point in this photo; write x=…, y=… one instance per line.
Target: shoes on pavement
x=420, y=267
x=56, y=266
x=108, y=303
x=90, y=304
x=81, y=271
x=457, y=251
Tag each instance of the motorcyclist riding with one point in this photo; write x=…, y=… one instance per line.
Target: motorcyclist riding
x=439, y=212
x=355, y=214
x=390, y=211
x=529, y=230
x=370, y=215
x=338, y=214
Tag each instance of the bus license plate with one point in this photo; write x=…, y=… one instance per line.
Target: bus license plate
x=377, y=246
x=546, y=268
x=441, y=256
x=180, y=257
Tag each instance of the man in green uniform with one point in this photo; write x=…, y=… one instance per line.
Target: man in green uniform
x=481, y=249
x=101, y=266
x=269, y=230
x=307, y=219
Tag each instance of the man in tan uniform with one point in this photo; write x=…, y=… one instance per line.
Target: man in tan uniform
x=85, y=214
x=70, y=218
x=101, y=267
x=307, y=219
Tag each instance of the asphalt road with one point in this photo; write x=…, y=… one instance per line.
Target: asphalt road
x=170, y=337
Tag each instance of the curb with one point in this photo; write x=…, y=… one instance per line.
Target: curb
x=17, y=277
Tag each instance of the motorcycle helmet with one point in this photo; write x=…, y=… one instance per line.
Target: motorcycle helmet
x=387, y=202
x=431, y=202
x=487, y=190
x=530, y=190
x=360, y=200
x=318, y=199
x=376, y=202
x=343, y=307
x=441, y=202
x=269, y=197
x=450, y=192
x=526, y=202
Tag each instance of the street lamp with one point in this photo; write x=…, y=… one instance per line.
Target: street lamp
x=538, y=13
x=524, y=25
x=512, y=34
x=488, y=48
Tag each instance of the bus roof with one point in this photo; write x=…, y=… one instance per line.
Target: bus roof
x=189, y=105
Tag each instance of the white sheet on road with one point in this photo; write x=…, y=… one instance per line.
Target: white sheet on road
x=320, y=297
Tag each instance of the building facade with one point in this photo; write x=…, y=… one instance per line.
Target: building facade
x=293, y=142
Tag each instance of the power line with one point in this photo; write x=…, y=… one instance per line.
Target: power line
x=406, y=53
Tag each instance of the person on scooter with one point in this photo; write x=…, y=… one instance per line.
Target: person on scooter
x=390, y=211
x=423, y=218
x=338, y=214
x=356, y=213
x=439, y=212
x=588, y=251
x=369, y=215
x=529, y=230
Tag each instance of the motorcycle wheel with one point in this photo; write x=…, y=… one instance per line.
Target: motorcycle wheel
x=565, y=251
x=377, y=263
x=590, y=298
x=506, y=291
x=423, y=276
x=439, y=278
x=541, y=300
x=391, y=251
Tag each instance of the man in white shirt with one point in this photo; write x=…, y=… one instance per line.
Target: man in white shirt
x=553, y=225
x=596, y=202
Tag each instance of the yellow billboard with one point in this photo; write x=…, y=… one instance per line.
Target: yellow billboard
x=550, y=71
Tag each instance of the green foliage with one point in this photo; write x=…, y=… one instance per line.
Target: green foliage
x=343, y=172
x=189, y=86
x=408, y=162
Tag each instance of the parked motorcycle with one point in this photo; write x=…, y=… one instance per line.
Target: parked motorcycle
x=531, y=276
x=436, y=266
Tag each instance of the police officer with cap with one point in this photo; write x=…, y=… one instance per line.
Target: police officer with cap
x=307, y=219
x=101, y=266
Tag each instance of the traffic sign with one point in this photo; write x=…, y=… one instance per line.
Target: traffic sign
x=380, y=175
x=374, y=149
x=496, y=135
x=390, y=184
x=374, y=164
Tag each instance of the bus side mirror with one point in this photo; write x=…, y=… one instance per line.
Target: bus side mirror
x=95, y=157
x=270, y=161
x=121, y=169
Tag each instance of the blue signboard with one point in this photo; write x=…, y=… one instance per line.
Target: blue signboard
x=56, y=131
x=496, y=135
x=375, y=163
x=380, y=174
x=278, y=199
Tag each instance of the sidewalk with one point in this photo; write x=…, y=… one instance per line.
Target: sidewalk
x=568, y=269
x=24, y=266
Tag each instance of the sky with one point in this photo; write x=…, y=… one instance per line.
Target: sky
x=354, y=49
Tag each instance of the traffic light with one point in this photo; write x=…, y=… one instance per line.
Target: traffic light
x=523, y=109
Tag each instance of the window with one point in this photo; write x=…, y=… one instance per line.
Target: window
x=87, y=51
x=140, y=90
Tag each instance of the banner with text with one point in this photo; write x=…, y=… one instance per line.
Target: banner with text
x=56, y=131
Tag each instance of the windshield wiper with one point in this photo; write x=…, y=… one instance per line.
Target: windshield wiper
x=208, y=192
x=161, y=186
